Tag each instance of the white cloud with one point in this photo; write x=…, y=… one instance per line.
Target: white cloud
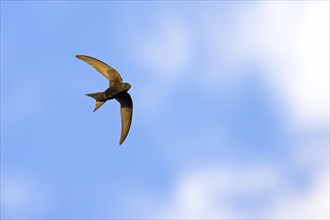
x=289, y=40
x=206, y=192
x=309, y=95
x=311, y=204
x=294, y=47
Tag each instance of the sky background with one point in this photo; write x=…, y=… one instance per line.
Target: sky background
x=231, y=110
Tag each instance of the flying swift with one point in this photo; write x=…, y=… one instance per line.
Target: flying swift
x=117, y=90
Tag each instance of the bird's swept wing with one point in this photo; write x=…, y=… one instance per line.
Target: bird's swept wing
x=126, y=110
x=107, y=71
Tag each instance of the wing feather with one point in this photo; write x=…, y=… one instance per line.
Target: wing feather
x=107, y=71
x=126, y=111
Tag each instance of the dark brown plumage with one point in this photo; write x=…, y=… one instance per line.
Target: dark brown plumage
x=117, y=90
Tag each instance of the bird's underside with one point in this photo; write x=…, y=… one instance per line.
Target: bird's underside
x=117, y=90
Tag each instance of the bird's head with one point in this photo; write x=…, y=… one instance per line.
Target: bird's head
x=125, y=86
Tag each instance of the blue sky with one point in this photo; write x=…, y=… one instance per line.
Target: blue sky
x=231, y=110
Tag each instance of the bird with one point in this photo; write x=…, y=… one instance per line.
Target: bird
x=117, y=90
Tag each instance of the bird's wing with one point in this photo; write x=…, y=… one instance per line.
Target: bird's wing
x=126, y=110
x=107, y=71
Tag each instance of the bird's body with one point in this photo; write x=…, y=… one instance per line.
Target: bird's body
x=117, y=90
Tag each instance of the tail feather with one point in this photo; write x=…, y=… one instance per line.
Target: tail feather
x=98, y=105
x=99, y=97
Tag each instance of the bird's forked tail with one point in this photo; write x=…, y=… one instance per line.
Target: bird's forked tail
x=99, y=97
